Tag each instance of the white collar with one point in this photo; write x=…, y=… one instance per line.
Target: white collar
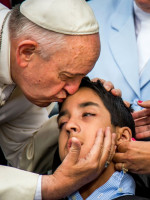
x=5, y=76
x=140, y=17
x=142, y=29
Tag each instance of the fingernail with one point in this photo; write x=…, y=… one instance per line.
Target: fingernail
x=100, y=131
x=140, y=101
x=133, y=139
x=108, y=128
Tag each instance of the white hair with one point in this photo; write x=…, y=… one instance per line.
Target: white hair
x=49, y=41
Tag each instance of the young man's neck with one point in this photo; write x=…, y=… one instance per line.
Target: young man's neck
x=89, y=188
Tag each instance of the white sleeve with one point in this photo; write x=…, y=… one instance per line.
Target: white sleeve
x=17, y=184
x=38, y=194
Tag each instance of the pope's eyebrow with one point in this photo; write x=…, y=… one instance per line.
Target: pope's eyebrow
x=71, y=74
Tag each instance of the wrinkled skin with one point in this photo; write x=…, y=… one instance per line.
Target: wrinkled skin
x=45, y=81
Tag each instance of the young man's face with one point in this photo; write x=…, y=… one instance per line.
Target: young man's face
x=81, y=116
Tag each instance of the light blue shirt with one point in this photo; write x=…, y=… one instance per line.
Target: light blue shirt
x=119, y=184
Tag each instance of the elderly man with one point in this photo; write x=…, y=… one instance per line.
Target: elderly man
x=46, y=47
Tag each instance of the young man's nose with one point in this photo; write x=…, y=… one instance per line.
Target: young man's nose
x=72, y=128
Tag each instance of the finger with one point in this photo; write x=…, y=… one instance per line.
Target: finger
x=119, y=158
x=108, y=85
x=74, y=152
x=141, y=113
x=97, y=148
x=122, y=146
x=116, y=92
x=127, y=103
x=107, y=146
x=113, y=147
x=144, y=104
x=142, y=129
x=142, y=121
x=119, y=166
x=143, y=135
x=96, y=79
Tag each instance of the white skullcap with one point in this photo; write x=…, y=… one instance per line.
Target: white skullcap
x=73, y=17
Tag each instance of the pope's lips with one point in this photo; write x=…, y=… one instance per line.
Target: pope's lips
x=61, y=95
x=60, y=100
x=57, y=99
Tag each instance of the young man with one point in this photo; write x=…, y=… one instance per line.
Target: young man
x=81, y=115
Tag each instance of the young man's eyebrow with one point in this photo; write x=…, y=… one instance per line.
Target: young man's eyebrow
x=88, y=103
x=82, y=105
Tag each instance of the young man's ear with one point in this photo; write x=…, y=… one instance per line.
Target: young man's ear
x=25, y=52
x=124, y=134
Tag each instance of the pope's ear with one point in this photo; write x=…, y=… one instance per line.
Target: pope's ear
x=124, y=134
x=25, y=51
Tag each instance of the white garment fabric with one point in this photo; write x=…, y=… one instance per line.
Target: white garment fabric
x=5, y=76
x=75, y=16
x=38, y=193
x=6, y=83
x=21, y=128
x=6, y=88
x=142, y=24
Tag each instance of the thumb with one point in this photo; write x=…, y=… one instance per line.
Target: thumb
x=144, y=104
x=127, y=103
x=74, y=151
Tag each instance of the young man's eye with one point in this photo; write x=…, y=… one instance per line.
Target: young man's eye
x=88, y=114
x=60, y=126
